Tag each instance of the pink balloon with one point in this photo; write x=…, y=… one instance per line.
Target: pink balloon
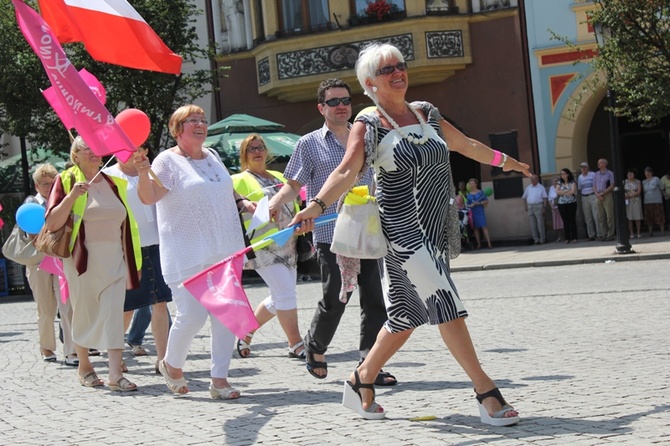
x=136, y=125
x=303, y=193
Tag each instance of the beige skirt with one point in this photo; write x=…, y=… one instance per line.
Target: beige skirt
x=97, y=297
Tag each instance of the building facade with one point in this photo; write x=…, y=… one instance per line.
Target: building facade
x=465, y=56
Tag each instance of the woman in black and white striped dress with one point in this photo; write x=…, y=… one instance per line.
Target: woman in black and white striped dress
x=408, y=145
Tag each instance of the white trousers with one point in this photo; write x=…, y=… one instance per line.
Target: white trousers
x=188, y=321
x=282, y=282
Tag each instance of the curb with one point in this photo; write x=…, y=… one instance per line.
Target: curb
x=613, y=258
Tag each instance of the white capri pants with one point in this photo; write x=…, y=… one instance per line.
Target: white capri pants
x=282, y=282
x=188, y=321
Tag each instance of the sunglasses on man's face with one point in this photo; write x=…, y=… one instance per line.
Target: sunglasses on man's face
x=334, y=102
x=389, y=69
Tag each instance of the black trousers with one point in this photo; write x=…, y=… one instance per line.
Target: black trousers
x=330, y=309
x=568, y=213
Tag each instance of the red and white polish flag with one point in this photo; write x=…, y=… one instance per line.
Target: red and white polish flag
x=112, y=32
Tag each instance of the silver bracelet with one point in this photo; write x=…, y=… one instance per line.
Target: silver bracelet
x=504, y=160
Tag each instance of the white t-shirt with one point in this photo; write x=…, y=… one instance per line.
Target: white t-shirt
x=198, y=222
x=144, y=215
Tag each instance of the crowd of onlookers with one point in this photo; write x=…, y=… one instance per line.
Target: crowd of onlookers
x=646, y=200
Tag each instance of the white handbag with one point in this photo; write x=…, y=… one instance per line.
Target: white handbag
x=358, y=229
x=19, y=248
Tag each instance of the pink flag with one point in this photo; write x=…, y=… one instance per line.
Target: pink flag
x=91, y=119
x=219, y=290
x=66, y=118
x=54, y=265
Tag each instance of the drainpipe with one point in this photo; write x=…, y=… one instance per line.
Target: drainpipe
x=530, y=104
x=211, y=38
x=247, y=24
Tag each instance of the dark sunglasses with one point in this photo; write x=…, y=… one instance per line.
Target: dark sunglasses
x=389, y=69
x=334, y=102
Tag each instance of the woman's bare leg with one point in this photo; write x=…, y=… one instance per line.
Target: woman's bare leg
x=456, y=337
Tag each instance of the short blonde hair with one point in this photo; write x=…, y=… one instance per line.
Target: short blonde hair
x=77, y=144
x=176, y=124
x=44, y=170
x=369, y=60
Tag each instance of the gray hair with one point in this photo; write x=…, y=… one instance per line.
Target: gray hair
x=368, y=62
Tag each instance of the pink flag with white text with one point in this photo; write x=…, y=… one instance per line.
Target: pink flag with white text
x=67, y=118
x=54, y=265
x=91, y=119
x=220, y=291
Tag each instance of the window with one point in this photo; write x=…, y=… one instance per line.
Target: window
x=299, y=16
x=487, y=5
x=438, y=6
x=360, y=5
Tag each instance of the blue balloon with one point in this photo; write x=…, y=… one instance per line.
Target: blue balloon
x=30, y=217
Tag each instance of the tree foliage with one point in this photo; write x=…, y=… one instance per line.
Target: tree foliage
x=636, y=56
x=23, y=110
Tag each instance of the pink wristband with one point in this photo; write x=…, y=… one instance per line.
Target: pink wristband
x=497, y=157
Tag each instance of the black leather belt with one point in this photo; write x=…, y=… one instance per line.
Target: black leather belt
x=586, y=195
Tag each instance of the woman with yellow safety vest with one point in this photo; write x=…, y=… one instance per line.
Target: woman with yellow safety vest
x=277, y=265
x=105, y=259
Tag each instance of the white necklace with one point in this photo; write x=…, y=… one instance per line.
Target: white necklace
x=196, y=164
x=410, y=138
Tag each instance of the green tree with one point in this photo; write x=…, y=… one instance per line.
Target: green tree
x=157, y=94
x=636, y=56
x=21, y=77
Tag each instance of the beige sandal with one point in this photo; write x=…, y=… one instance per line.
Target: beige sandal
x=122, y=385
x=90, y=380
x=175, y=385
x=224, y=393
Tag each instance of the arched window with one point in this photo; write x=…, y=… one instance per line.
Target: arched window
x=299, y=16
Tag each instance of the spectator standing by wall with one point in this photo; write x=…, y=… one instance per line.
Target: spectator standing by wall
x=589, y=201
x=534, y=202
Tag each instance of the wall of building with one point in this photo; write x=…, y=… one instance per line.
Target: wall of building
x=489, y=96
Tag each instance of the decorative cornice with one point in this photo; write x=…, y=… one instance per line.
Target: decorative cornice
x=333, y=58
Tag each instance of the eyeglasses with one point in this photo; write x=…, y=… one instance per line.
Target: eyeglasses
x=252, y=149
x=389, y=69
x=196, y=121
x=334, y=102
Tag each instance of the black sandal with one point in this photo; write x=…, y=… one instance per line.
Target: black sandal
x=385, y=379
x=311, y=364
x=498, y=418
x=353, y=400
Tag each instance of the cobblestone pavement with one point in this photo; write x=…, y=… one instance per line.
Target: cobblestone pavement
x=581, y=350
